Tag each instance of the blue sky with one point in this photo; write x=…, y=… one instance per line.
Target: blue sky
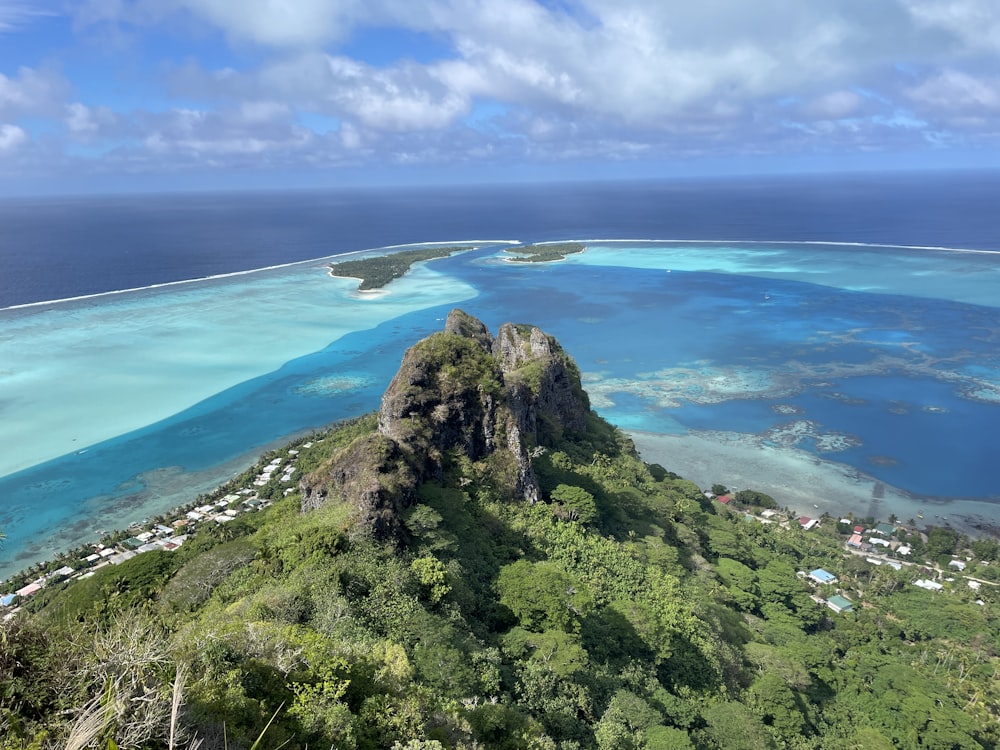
x=100, y=95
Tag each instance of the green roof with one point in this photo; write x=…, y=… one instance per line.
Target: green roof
x=885, y=528
x=840, y=602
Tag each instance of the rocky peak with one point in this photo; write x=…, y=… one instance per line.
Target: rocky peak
x=462, y=393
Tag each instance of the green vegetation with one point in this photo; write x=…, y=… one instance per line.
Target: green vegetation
x=622, y=610
x=546, y=252
x=376, y=272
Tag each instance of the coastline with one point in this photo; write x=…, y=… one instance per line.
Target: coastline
x=321, y=261
x=799, y=480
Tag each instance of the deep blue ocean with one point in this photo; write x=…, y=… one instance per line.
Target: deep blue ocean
x=882, y=367
x=63, y=247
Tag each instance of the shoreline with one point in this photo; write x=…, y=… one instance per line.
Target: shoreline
x=801, y=481
x=234, y=274
x=646, y=240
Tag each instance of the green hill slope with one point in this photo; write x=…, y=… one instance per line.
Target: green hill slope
x=488, y=564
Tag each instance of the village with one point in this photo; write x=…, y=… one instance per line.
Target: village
x=167, y=532
x=877, y=544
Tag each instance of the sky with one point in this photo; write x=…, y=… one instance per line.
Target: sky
x=172, y=94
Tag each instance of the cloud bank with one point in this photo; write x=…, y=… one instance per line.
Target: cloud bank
x=319, y=84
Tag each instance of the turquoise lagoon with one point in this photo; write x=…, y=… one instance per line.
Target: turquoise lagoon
x=879, y=363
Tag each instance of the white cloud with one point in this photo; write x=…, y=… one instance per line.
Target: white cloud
x=973, y=24
x=953, y=90
x=85, y=122
x=405, y=97
x=32, y=92
x=835, y=105
x=11, y=138
x=16, y=15
x=570, y=79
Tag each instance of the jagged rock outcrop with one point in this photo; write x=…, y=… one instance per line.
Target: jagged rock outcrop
x=460, y=393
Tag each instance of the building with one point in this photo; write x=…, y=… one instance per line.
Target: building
x=855, y=541
x=807, y=523
x=958, y=564
x=31, y=588
x=839, y=604
x=929, y=585
x=821, y=576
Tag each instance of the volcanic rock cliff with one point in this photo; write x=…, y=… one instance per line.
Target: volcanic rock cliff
x=460, y=394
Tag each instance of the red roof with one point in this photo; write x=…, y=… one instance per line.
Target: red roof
x=724, y=499
x=803, y=520
x=858, y=529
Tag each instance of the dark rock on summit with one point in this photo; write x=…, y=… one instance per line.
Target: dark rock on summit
x=458, y=394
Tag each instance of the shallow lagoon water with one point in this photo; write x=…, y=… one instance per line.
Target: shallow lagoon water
x=116, y=408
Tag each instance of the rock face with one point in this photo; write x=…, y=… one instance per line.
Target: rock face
x=458, y=394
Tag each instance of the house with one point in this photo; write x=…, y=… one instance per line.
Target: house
x=885, y=529
x=724, y=499
x=880, y=542
x=929, y=585
x=904, y=549
x=958, y=564
x=839, y=604
x=119, y=558
x=31, y=588
x=7, y=600
x=807, y=523
x=821, y=576
x=855, y=541
x=859, y=529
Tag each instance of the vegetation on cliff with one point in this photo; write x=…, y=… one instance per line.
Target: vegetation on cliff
x=617, y=608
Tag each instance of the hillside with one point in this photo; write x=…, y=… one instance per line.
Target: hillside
x=485, y=563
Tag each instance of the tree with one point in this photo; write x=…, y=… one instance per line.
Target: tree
x=752, y=497
x=741, y=583
x=623, y=725
x=542, y=596
x=731, y=726
x=576, y=503
x=941, y=541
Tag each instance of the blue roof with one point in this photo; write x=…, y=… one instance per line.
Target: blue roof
x=821, y=575
x=7, y=600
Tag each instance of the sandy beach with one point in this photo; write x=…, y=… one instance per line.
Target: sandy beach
x=801, y=481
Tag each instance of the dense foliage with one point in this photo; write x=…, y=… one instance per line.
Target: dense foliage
x=376, y=272
x=626, y=610
x=547, y=252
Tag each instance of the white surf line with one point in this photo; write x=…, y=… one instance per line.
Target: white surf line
x=776, y=242
x=233, y=274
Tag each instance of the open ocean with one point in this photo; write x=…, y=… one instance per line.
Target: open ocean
x=790, y=320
